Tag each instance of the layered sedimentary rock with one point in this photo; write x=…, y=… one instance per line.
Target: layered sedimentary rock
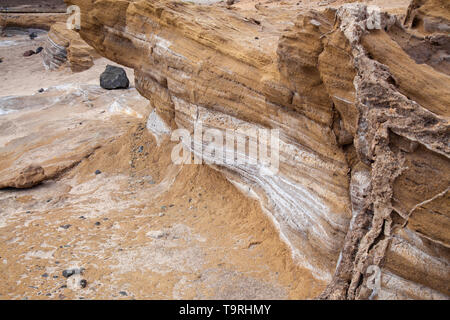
x=31, y=14
x=65, y=47
x=30, y=20
x=361, y=194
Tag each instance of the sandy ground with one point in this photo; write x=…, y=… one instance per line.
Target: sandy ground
x=143, y=228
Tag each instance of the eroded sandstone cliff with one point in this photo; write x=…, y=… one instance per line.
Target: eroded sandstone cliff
x=362, y=103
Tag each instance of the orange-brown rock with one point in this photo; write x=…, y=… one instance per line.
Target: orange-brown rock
x=363, y=179
x=28, y=177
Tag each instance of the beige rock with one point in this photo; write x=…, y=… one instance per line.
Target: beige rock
x=28, y=177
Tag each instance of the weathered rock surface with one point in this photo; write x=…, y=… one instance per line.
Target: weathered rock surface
x=65, y=142
x=363, y=115
x=28, y=177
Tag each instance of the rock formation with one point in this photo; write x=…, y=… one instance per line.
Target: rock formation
x=361, y=100
x=65, y=47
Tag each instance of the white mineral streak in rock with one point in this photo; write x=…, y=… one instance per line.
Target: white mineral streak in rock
x=162, y=48
x=157, y=126
x=5, y=111
x=394, y=287
x=54, y=55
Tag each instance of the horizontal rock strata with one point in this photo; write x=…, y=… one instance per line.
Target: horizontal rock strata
x=363, y=178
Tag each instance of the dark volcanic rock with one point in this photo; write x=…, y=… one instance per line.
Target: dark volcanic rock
x=70, y=272
x=38, y=50
x=28, y=53
x=67, y=273
x=114, y=78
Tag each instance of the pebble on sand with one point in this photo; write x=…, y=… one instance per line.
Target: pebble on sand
x=28, y=53
x=83, y=283
x=70, y=272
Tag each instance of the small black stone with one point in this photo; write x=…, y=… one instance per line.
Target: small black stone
x=114, y=78
x=97, y=172
x=141, y=148
x=97, y=223
x=41, y=90
x=45, y=275
x=66, y=226
x=83, y=283
x=67, y=273
x=38, y=50
x=70, y=272
x=123, y=293
x=33, y=35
